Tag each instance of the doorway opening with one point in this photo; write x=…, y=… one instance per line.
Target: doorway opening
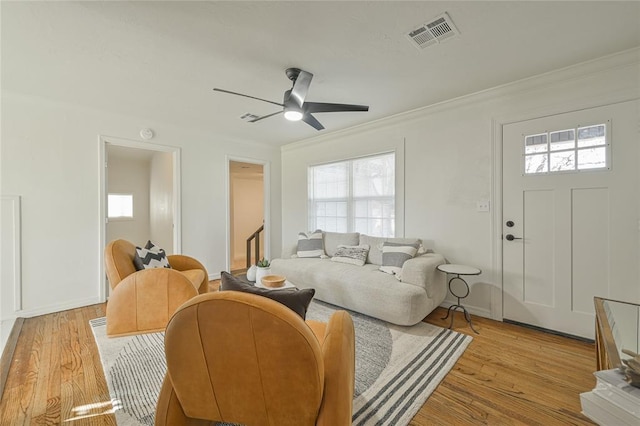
x=140, y=197
x=248, y=241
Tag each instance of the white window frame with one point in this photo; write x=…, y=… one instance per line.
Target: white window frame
x=349, y=198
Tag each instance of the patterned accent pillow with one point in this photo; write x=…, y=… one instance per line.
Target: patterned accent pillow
x=353, y=255
x=394, y=255
x=311, y=244
x=149, y=257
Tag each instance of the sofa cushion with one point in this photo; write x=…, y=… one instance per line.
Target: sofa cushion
x=334, y=239
x=149, y=257
x=354, y=255
x=394, y=255
x=375, y=246
x=311, y=244
x=296, y=300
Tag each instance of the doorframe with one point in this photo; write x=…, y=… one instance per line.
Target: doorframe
x=266, y=185
x=177, y=204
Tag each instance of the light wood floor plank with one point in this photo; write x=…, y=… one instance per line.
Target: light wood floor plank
x=512, y=375
x=509, y=375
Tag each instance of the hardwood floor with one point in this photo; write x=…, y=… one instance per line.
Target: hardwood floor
x=511, y=375
x=508, y=375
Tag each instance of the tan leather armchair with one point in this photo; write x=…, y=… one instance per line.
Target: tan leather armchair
x=143, y=301
x=242, y=358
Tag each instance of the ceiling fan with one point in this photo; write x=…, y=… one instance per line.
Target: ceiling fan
x=295, y=107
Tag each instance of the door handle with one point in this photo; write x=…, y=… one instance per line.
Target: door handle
x=510, y=237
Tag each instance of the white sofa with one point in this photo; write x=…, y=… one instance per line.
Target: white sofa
x=366, y=289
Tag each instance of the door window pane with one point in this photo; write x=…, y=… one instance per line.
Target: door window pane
x=592, y=158
x=561, y=161
x=536, y=164
x=591, y=136
x=565, y=139
x=535, y=143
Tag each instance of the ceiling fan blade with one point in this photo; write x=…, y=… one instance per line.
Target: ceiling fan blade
x=311, y=121
x=325, y=107
x=264, y=116
x=247, y=96
x=301, y=87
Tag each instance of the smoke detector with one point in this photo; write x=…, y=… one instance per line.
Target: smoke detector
x=433, y=32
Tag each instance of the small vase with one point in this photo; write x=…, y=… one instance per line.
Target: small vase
x=261, y=272
x=251, y=273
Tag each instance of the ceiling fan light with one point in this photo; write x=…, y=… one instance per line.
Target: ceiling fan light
x=293, y=115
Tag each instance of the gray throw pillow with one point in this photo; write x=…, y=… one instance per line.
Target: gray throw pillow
x=311, y=244
x=394, y=255
x=376, y=243
x=294, y=299
x=149, y=257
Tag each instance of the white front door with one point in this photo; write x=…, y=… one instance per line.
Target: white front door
x=574, y=220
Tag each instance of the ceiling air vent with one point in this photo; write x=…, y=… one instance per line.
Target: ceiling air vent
x=433, y=32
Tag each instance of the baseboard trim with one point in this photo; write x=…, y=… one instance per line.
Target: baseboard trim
x=7, y=353
x=73, y=304
x=546, y=330
x=473, y=310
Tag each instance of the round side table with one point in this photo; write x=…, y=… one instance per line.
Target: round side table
x=457, y=271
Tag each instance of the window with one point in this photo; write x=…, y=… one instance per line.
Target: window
x=355, y=195
x=567, y=150
x=120, y=206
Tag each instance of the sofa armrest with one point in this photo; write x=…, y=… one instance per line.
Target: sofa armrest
x=289, y=250
x=421, y=271
x=145, y=301
x=181, y=262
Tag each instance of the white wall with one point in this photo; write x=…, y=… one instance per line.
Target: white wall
x=130, y=176
x=50, y=157
x=450, y=161
x=161, y=201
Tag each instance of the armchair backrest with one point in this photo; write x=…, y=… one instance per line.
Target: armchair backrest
x=243, y=358
x=118, y=257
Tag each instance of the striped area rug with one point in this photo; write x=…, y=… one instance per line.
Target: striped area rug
x=397, y=368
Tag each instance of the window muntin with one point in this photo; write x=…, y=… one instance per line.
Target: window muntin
x=356, y=195
x=567, y=150
x=120, y=206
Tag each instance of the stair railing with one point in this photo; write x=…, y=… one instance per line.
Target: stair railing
x=256, y=238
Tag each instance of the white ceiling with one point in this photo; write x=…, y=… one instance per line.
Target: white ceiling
x=160, y=60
